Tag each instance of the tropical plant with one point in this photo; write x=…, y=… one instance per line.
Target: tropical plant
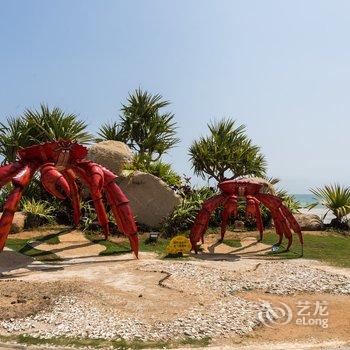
x=55, y=124
x=89, y=216
x=288, y=199
x=158, y=168
x=226, y=149
x=146, y=129
x=36, y=126
x=13, y=135
x=38, y=212
x=111, y=131
x=4, y=194
x=335, y=198
x=184, y=214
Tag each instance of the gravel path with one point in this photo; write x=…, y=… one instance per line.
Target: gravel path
x=271, y=277
x=218, y=312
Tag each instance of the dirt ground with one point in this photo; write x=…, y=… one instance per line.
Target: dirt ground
x=338, y=310
x=21, y=298
x=27, y=287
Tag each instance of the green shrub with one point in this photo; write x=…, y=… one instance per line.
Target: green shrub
x=88, y=215
x=38, y=212
x=336, y=199
x=158, y=168
x=183, y=216
x=289, y=201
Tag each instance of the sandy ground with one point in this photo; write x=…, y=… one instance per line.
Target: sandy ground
x=27, y=286
x=72, y=244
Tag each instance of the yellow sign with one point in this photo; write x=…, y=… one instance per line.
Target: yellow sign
x=179, y=244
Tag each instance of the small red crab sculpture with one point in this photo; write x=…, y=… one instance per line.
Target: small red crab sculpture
x=60, y=164
x=250, y=190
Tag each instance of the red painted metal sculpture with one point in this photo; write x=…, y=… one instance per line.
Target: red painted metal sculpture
x=60, y=163
x=250, y=190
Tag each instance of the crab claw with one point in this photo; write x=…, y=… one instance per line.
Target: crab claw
x=52, y=179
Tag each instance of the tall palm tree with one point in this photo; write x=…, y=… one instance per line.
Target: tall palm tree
x=227, y=149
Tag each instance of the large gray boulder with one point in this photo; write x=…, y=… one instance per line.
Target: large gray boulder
x=309, y=222
x=151, y=199
x=113, y=155
x=18, y=222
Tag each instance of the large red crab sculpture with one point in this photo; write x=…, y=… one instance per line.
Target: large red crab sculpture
x=251, y=191
x=60, y=164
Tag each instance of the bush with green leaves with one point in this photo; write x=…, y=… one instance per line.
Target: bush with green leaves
x=184, y=214
x=226, y=152
x=158, y=168
x=38, y=212
x=336, y=199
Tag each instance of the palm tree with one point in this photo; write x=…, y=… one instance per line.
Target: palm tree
x=335, y=198
x=110, y=131
x=51, y=125
x=36, y=126
x=226, y=149
x=13, y=135
x=146, y=129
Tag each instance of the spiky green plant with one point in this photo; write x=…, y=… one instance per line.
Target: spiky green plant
x=55, y=124
x=36, y=126
x=158, y=168
x=335, y=198
x=227, y=149
x=148, y=130
x=184, y=214
x=111, y=131
x=13, y=135
x=38, y=212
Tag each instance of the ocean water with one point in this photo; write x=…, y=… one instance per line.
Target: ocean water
x=319, y=210
x=305, y=199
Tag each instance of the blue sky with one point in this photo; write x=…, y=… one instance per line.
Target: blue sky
x=282, y=68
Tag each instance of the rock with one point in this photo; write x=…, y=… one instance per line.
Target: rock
x=113, y=155
x=18, y=222
x=309, y=222
x=151, y=199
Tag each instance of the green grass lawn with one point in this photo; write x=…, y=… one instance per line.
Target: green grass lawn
x=235, y=243
x=332, y=248
x=22, y=246
x=103, y=344
x=113, y=248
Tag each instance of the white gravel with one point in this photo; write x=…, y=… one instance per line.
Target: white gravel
x=270, y=277
x=226, y=315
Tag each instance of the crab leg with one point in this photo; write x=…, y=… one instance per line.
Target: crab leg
x=92, y=175
x=294, y=224
x=20, y=181
x=253, y=209
x=74, y=194
x=51, y=179
x=229, y=208
x=279, y=230
x=282, y=215
x=201, y=222
x=121, y=209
